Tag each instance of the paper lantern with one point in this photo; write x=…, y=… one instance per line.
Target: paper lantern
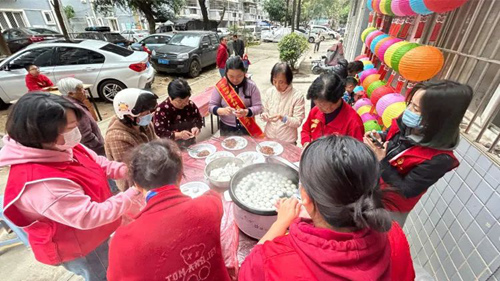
x=387, y=100
x=393, y=111
x=372, y=126
x=376, y=40
x=372, y=36
x=363, y=59
x=381, y=51
x=380, y=43
x=399, y=53
x=380, y=92
x=373, y=86
x=418, y=6
x=391, y=50
x=362, y=102
x=358, y=89
x=376, y=6
x=365, y=62
x=360, y=57
x=404, y=7
x=366, y=32
x=368, y=117
x=442, y=6
x=366, y=73
x=364, y=109
x=369, y=5
x=368, y=66
x=421, y=63
x=370, y=79
x=385, y=7
x=395, y=8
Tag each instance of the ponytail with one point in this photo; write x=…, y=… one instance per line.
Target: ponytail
x=369, y=212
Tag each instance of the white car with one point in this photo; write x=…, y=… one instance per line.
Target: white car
x=108, y=67
x=325, y=32
x=135, y=35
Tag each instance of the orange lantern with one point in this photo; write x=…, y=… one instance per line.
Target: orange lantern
x=391, y=50
x=421, y=63
x=381, y=42
x=370, y=79
x=399, y=53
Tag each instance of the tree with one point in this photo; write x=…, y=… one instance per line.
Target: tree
x=291, y=47
x=69, y=12
x=275, y=10
x=299, y=10
x=60, y=19
x=335, y=10
x=292, y=24
x=153, y=10
x=4, y=48
x=204, y=13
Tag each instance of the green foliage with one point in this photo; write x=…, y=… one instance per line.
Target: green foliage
x=335, y=10
x=69, y=12
x=276, y=9
x=291, y=47
x=233, y=29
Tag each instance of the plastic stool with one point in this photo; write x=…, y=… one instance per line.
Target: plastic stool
x=5, y=223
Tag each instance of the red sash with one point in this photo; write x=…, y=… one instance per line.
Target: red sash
x=234, y=101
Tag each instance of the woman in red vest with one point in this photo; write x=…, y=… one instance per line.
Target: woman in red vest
x=418, y=148
x=349, y=235
x=175, y=237
x=330, y=115
x=57, y=189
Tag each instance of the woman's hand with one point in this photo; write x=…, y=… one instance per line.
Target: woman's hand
x=265, y=117
x=195, y=131
x=184, y=135
x=223, y=111
x=288, y=210
x=241, y=113
x=380, y=152
x=276, y=118
x=375, y=134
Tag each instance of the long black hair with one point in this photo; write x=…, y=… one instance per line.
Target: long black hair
x=442, y=108
x=341, y=175
x=329, y=87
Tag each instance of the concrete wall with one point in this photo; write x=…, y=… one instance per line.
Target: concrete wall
x=356, y=23
x=454, y=231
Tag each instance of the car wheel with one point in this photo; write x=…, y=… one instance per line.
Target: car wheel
x=3, y=105
x=332, y=36
x=109, y=88
x=311, y=40
x=194, y=69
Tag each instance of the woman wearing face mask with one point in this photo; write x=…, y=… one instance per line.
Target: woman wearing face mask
x=283, y=106
x=178, y=118
x=237, y=101
x=57, y=189
x=348, y=235
x=131, y=126
x=418, y=147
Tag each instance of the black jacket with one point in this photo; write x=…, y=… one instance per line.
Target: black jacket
x=239, y=47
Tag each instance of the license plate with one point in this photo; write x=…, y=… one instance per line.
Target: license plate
x=163, y=61
x=121, y=44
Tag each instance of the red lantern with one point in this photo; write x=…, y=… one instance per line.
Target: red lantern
x=441, y=6
x=380, y=92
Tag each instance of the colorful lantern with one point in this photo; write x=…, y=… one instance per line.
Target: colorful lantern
x=362, y=102
x=376, y=6
x=391, y=50
x=381, y=51
x=364, y=109
x=369, y=5
x=399, y=53
x=418, y=6
x=358, y=89
x=376, y=40
x=366, y=32
x=442, y=6
x=373, y=86
x=393, y=111
x=421, y=63
x=404, y=7
x=370, y=79
x=360, y=57
x=380, y=43
x=366, y=73
x=365, y=62
x=368, y=67
x=385, y=7
x=368, y=117
x=387, y=100
x=380, y=92
x=372, y=126
x=372, y=36
x=395, y=8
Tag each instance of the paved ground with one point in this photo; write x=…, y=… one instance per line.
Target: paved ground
x=17, y=262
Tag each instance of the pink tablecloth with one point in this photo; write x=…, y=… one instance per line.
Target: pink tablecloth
x=202, y=101
x=235, y=245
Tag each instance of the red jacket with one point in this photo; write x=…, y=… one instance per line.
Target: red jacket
x=348, y=123
x=405, y=162
x=37, y=83
x=310, y=253
x=222, y=56
x=173, y=238
x=52, y=242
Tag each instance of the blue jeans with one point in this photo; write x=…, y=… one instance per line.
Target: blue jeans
x=222, y=72
x=93, y=266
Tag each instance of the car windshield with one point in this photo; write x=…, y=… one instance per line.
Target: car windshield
x=190, y=40
x=43, y=31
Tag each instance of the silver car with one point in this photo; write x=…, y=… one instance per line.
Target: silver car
x=152, y=42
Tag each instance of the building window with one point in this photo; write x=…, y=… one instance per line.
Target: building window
x=89, y=22
x=114, y=25
x=101, y=21
x=47, y=16
x=12, y=19
x=193, y=11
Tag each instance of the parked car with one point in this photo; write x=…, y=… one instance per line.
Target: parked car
x=111, y=37
x=187, y=52
x=152, y=42
x=222, y=32
x=325, y=32
x=108, y=67
x=275, y=35
x=255, y=32
x=135, y=35
x=19, y=38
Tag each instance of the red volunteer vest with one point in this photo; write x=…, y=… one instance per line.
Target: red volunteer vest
x=404, y=163
x=54, y=243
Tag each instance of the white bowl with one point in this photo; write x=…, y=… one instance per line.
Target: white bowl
x=200, y=147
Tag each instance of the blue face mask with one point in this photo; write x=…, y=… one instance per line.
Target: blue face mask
x=145, y=120
x=411, y=119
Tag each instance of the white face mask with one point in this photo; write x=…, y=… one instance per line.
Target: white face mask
x=71, y=139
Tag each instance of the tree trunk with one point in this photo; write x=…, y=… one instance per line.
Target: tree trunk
x=57, y=8
x=299, y=9
x=4, y=48
x=286, y=15
x=148, y=13
x=222, y=16
x=293, y=15
x=204, y=13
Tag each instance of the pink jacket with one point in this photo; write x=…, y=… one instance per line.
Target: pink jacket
x=64, y=201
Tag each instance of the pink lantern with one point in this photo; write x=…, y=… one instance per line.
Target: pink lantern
x=405, y=7
x=368, y=117
x=385, y=46
x=387, y=100
x=360, y=57
x=372, y=36
x=366, y=73
x=364, y=59
x=362, y=102
x=395, y=8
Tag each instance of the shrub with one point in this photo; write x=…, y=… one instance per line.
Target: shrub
x=291, y=47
